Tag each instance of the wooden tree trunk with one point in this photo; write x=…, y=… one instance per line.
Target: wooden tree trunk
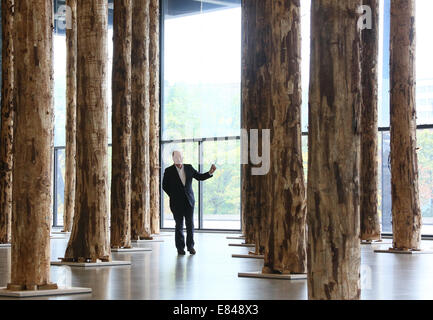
x=140, y=170
x=71, y=118
x=33, y=40
x=121, y=126
x=285, y=250
x=406, y=213
x=154, y=117
x=7, y=114
x=89, y=239
x=370, y=222
x=256, y=80
x=334, y=151
x=248, y=98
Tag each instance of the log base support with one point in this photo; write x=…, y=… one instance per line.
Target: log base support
x=397, y=251
x=142, y=239
x=247, y=245
x=260, y=275
x=163, y=235
x=147, y=241
x=368, y=242
x=5, y=245
x=236, y=238
x=248, y=256
x=42, y=291
x=126, y=250
x=84, y=264
x=66, y=233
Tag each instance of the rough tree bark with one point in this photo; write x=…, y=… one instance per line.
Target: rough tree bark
x=89, y=239
x=7, y=114
x=248, y=98
x=285, y=250
x=154, y=117
x=33, y=96
x=334, y=151
x=406, y=213
x=140, y=170
x=256, y=79
x=71, y=118
x=370, y=222
x=121, y=126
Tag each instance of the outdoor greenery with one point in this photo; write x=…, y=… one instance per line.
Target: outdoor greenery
x=204, y=111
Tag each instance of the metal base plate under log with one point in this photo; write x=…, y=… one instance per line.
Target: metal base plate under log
x=248, y=256
x=260, y=275
x=5, y=245
x=91, y=264
x=40, y=293
x=147, y=241
x=369, y=242
x=236, y=238
x=396, y=251
x=66, y=233
x=247, y=245
x=130, y=249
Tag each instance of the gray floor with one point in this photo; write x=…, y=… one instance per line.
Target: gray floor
x=212, y=274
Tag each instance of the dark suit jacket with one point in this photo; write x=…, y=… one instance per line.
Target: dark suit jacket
x=178, y=193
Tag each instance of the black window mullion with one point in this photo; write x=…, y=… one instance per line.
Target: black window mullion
x=200, y=186
x=55, y=188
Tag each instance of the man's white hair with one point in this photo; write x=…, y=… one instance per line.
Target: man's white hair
x=172, y=154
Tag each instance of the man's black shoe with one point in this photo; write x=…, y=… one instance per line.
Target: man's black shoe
x=192, y=251
x=181, y=252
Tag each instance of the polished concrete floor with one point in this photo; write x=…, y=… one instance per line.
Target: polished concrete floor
x=212, y=274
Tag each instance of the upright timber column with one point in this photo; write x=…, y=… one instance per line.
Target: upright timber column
x=334, y=151
x=7, y=114
x=154, y=117
x=140, y=112
x=33, y=41
x=89, y=239
x=71, y=117
x=248, y=97
x=285, y=250
x=121, y=126
x=370, y=222
x=406, y=213
x=256, y=105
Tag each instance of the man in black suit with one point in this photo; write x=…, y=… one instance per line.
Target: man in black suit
x=177, y=183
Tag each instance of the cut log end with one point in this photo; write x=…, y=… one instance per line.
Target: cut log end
x=31, y=287
x=86, y=260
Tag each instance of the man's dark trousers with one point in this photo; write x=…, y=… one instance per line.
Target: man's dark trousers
x=179, y=215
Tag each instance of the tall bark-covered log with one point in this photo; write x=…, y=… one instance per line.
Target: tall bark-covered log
x=154, y=117
x=334, y=151
x=370, y=222
x=256, y=80
x=406, y=213
x=90, y=238
x=71, y=118
x=121, y=126
x=33, y=74
x=248, y=98
x=285, y=250
x=140, y=170
x=7, y=114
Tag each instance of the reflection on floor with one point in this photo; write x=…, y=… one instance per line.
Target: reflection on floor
x=213, y=274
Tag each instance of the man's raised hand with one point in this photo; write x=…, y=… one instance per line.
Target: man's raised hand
x=212, y=169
